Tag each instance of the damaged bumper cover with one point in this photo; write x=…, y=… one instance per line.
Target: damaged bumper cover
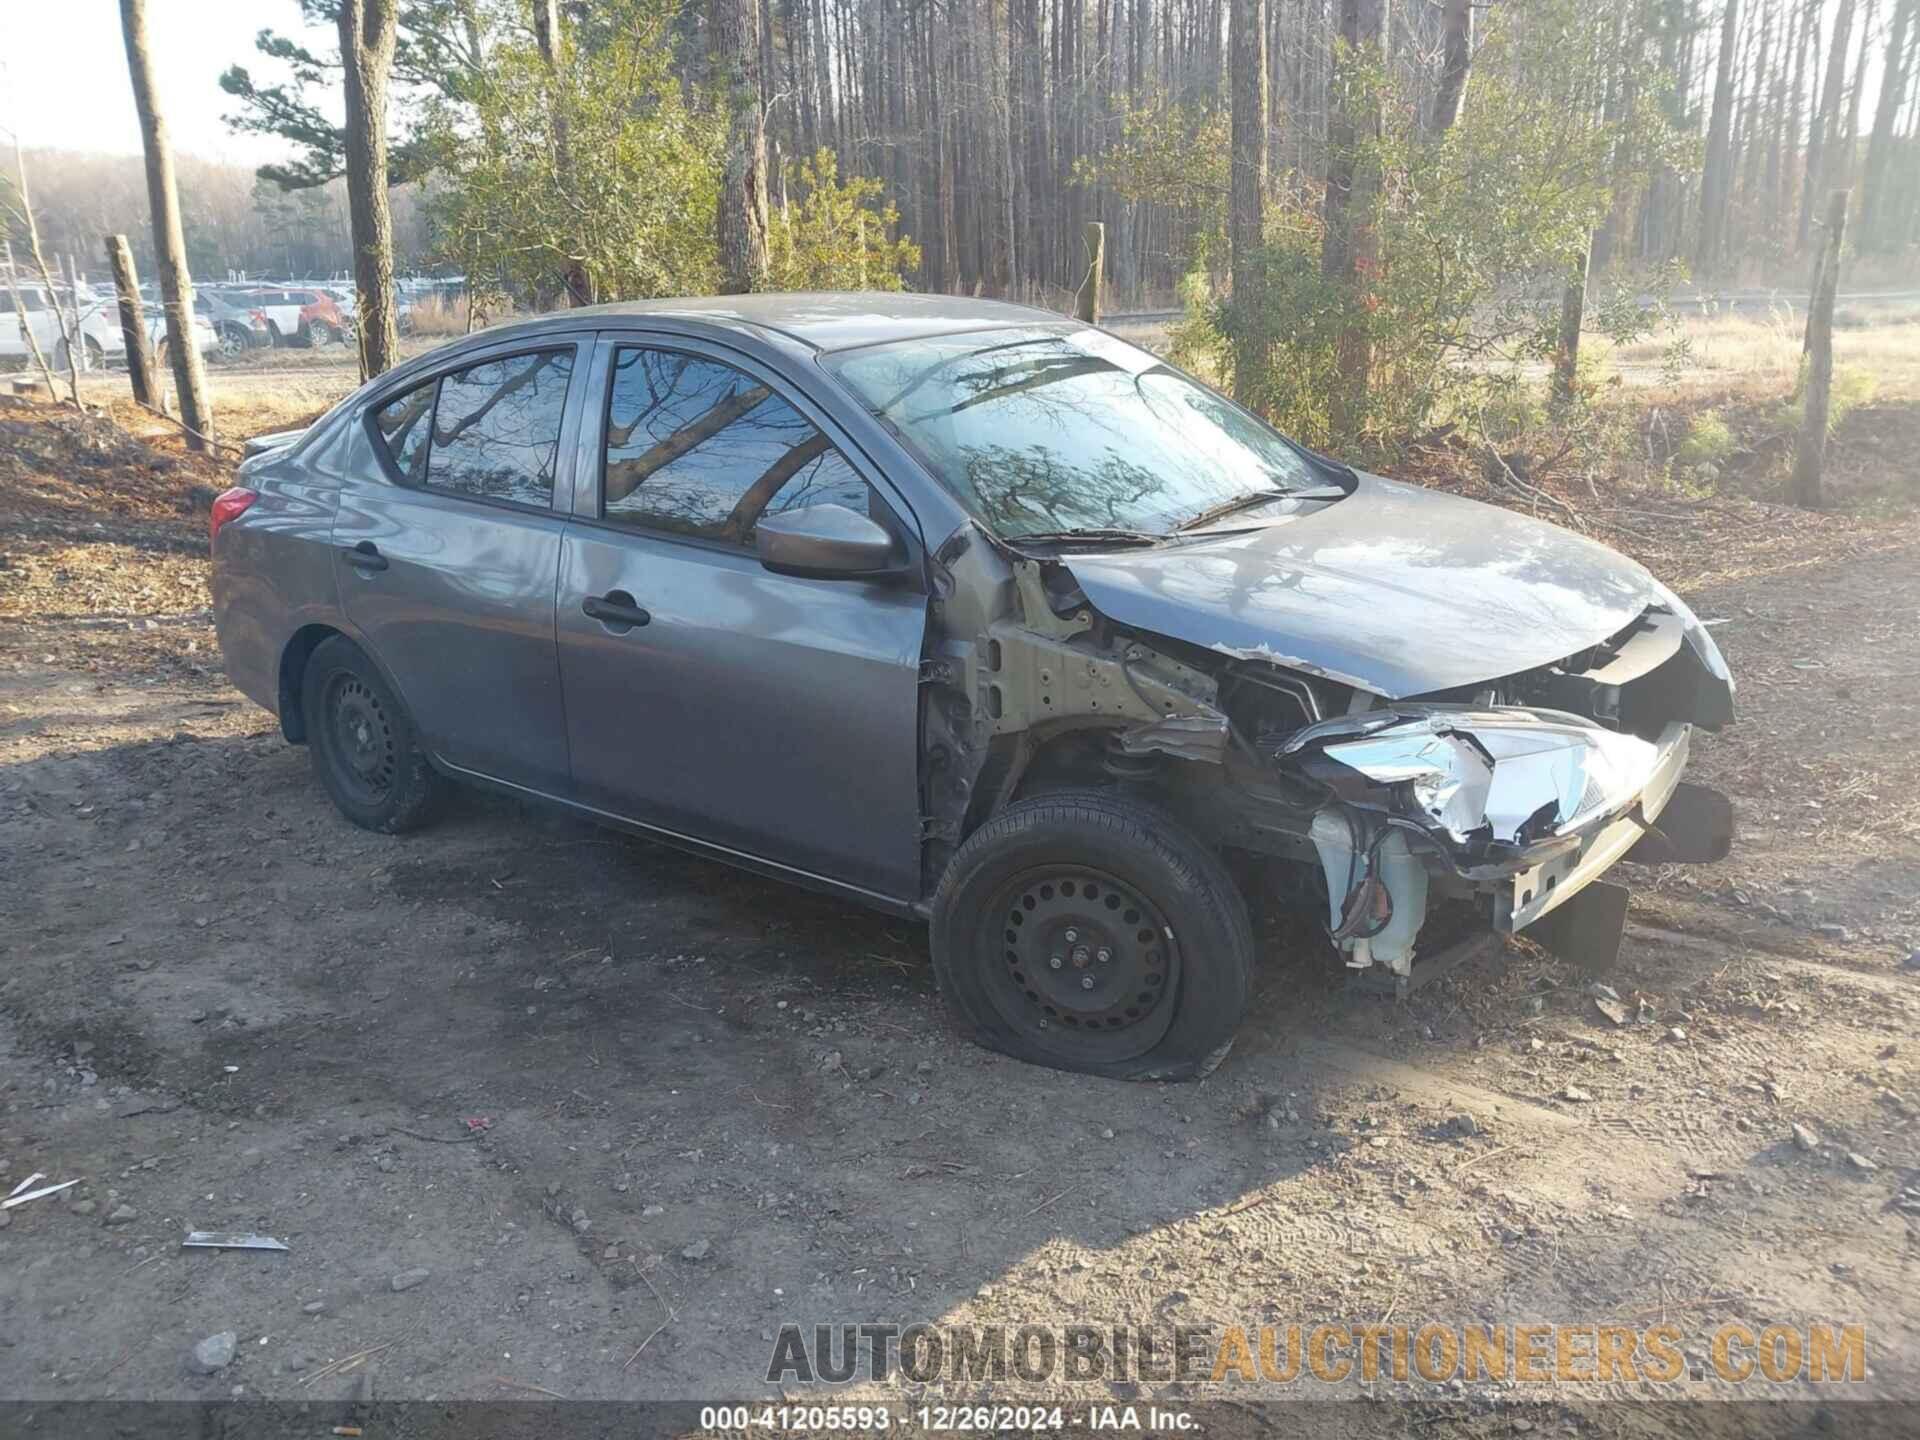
x=1526, y=807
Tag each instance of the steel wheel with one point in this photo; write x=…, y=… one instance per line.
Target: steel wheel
x=360, y=734
x=365, y=750
x=1125, y=878
x=1084, y=963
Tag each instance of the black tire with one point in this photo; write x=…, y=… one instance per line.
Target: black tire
x=90, y=347
x=364, y=747
x=1065, y=877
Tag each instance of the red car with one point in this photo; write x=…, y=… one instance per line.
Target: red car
x=321, y=322
x=298, y=315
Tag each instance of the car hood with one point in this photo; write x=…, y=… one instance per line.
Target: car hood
x=1396, y=589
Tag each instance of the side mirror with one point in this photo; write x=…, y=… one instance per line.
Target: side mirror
x=824, y=542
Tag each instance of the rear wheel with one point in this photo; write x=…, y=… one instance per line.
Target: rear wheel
x=321, y=333
x=233, y=342
x=364, y=747
x=1086, y=931
x=95, y=353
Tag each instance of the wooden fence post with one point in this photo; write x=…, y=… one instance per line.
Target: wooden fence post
x=1086, y=304
x=133, y=321
x=1810, y=455
x=1573, y=315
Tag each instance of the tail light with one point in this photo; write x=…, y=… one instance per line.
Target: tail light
x=226, y=505
x=259, y=318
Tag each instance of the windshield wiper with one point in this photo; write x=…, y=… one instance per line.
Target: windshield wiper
x=1086, y=535
x=1227, y=507
x=1254, y=498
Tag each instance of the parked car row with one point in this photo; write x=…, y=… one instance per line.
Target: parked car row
x=291, y=314
x=99, y=326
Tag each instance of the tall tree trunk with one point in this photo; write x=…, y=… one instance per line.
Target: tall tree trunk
x=578, y=284
x=369, y=30
x=1716, y=179
x=1752, y=149
x=1247, y=195
x=1348, y=250
x=169, y=247
x=1893, y=87
x=1841, y=173
x=1456, y=55
x=1009, y=166
x=1826, y=117
x=1806, y=58
x=742, y=224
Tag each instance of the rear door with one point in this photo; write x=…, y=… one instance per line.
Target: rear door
x=447, y=547
x=763, y=713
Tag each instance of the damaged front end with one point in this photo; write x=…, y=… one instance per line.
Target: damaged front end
x=1522, y=795
x=1505, y=801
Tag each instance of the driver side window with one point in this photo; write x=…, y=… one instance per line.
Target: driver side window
x=696, y=447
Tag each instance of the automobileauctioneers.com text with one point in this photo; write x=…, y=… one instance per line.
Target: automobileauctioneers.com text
x=1734, y=1353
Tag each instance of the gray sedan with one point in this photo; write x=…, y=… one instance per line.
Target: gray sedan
x=966, y=612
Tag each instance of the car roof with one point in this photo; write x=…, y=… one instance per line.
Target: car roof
x=822, y=320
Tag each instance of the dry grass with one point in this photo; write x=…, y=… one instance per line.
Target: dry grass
x=440, y=315
x=1761, y=348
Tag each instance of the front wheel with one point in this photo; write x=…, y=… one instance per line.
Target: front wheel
x=1086, y=931
x=364, y=747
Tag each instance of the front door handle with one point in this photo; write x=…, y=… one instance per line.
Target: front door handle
x=616, y=611
x=365, y=557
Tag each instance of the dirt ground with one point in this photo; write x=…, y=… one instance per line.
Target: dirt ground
x=542, y=1109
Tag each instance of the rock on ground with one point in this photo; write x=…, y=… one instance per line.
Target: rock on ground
x=213, y=1353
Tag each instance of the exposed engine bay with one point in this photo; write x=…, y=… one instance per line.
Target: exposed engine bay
x=1512, y=796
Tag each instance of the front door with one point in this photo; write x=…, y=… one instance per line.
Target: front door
x=705, y=695
x=447, y=548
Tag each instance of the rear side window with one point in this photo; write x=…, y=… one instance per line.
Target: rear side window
x=491, y=431
x=699, y=448
x=403, y=425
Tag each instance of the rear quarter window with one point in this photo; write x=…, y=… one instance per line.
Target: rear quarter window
x=404, y=424
x=490, y=432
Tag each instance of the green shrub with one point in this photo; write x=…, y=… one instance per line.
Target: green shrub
x=1709, y=442
x=1852, y=387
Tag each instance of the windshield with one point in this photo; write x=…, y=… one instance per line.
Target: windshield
x=1057, y=428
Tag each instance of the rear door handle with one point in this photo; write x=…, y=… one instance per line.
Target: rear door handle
x=365, y=557
x=616, y=610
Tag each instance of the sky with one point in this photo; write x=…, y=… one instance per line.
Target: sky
x=49, y=103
